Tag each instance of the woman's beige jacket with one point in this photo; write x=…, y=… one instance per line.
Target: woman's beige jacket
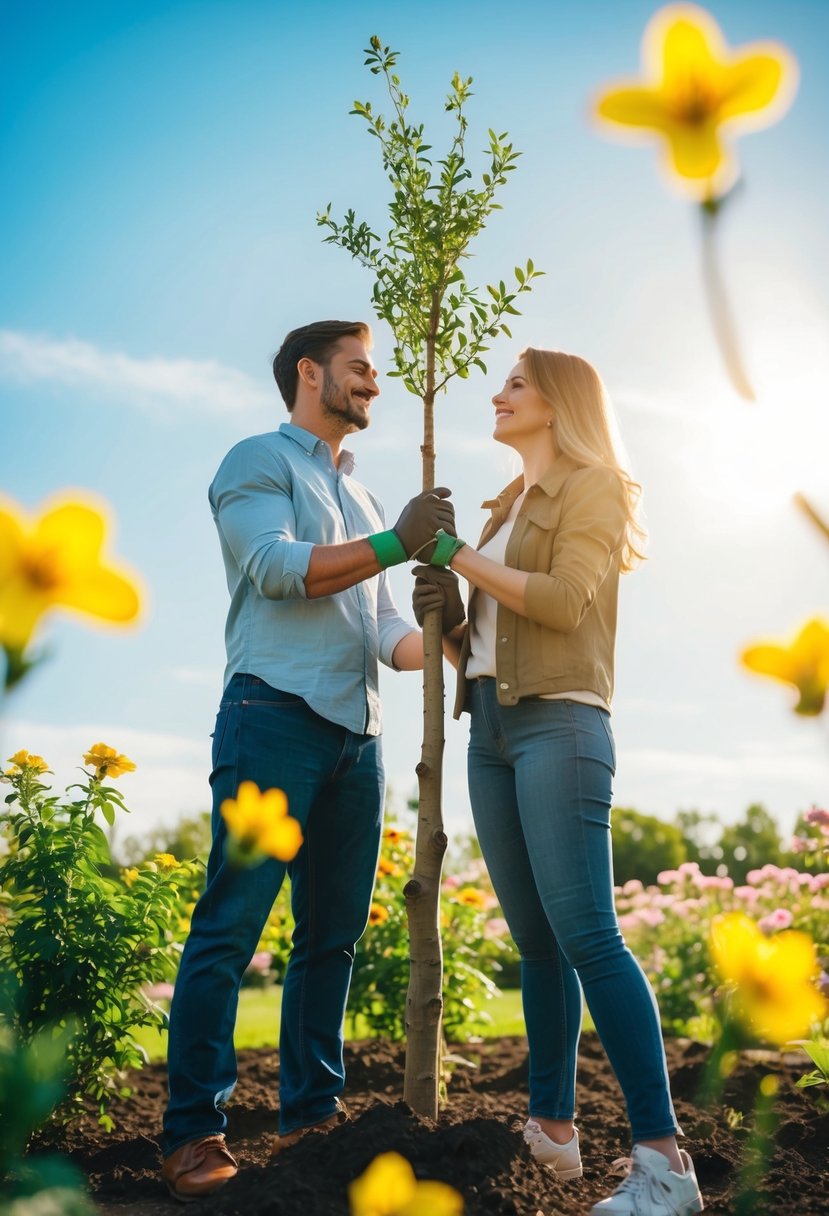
x=568, y=536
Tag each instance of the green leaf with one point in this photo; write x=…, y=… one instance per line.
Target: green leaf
x=108, y=812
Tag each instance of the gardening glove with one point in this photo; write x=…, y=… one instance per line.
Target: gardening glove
x=437, y=587
x=421, y=518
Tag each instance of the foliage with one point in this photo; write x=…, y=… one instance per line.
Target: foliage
x=81, y=944
x=750, y=843
x=440, y=324
x=191, y=836
x=32, y=1083
x=668, y=925
x=818, y=1052
x=474, y=938
x=644, y=845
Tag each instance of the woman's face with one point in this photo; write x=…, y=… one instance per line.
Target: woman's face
x=521, y=413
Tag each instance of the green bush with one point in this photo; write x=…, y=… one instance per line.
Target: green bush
x=643, y=846
x=82, y=944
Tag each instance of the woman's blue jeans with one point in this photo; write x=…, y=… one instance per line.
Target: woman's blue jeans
x=540, y=777
x=334, y=784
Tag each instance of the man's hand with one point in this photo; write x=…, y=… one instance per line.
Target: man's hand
x=437, y=587
x=422, y=516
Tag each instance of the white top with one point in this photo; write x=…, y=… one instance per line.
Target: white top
x=482, y=632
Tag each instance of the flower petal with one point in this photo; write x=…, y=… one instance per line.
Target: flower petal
x=75, y=530
x=769, y=659
x=282, y=839
x=759, y=86
x=21, y=607
x=101, y=592
x=634, y=106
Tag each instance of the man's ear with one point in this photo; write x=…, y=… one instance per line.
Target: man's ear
x=308, y=372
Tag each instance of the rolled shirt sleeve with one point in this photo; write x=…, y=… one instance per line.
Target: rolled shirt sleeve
x=591, y=531
x=253, y=507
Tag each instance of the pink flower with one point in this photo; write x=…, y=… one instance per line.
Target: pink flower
x=632, y=887
x=749, y=894
x=629, y=922
x=451, y=883
x=689, y=869
x=158, y=992
x=780, y=918
x=496, y=927
x=261, y=962
x=651, y=916
x=803, y=844
x=666, y=877
x=817, y=816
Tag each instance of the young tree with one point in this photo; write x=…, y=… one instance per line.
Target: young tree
x=441, y=327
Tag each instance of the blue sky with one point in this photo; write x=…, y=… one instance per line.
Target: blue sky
x=162, y=164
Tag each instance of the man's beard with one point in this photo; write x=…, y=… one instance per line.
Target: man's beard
x=336, y=404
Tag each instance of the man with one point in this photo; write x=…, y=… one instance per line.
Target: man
x=305, y=552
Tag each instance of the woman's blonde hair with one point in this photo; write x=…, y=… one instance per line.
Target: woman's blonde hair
x=584, y=428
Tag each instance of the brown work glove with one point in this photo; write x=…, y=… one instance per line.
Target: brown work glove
x=422, y=516
x=437, y=587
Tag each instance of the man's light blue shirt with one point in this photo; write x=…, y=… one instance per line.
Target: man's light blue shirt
x=274, y=497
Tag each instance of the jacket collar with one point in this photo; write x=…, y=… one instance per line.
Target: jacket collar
x=550, y=484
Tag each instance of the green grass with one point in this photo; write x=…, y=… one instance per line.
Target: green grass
x=258, y=1022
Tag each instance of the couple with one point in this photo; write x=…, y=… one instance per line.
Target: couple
x=305, y=549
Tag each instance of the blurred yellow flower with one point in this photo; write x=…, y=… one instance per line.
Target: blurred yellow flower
x=107, y=762
x=55, y=561
x=377, y=914
x=774, y=991
x=167, y=861
x=804, y=663
x=129, y=875
x=389, y=868
x=472, y=897
x=395, y=835
x=389, y=1188
x=259, y=824
x=696, y=91
x=24, y=759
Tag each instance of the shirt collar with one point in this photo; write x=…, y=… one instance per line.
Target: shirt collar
x=550, y=483
x=313, y=445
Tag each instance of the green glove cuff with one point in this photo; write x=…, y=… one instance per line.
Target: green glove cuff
x=388, y=547
x=445, y=549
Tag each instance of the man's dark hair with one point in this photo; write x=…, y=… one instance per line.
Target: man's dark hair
x=317, y=341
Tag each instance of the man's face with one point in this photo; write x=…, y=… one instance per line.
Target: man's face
x=349, y=384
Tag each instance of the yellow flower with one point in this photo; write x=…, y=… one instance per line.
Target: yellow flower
x=775, y=994
x=24, y=759
x=389, y=1188
x=129, y=875
x=167, y=861
x=377, y=914
x=804, y=662
x=390, y=868
x=259, y=824
x=471, y=896
x=395, y=835
x=107, y=762
x=54, y=561
x=695, y=92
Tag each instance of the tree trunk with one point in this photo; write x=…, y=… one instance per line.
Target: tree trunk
x=424, y=1000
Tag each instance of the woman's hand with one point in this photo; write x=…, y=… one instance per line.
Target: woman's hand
x=437, y=587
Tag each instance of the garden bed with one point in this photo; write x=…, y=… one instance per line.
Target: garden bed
x=476, y=1145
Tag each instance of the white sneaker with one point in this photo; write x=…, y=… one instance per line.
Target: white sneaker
x=652, y=1188
x=563, y=1159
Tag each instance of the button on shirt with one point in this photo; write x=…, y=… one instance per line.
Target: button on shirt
x=274, y=497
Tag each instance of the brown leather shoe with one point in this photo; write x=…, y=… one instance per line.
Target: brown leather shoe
x=199, y=1168
x=340, y=1115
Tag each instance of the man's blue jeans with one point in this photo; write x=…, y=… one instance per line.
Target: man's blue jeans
x=333, y=780
x=540, y=777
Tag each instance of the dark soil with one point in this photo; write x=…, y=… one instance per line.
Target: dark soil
x=476, y=1144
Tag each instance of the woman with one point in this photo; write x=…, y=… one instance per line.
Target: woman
x=535, y=671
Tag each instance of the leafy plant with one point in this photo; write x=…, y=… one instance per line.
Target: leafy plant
x=818, y=1051
x=81, y=944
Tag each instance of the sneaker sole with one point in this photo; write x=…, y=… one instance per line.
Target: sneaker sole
x=565, y=1175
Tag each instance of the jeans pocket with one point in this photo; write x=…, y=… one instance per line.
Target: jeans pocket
x=219, y=732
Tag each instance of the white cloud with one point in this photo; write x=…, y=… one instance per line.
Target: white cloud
x=185, y=384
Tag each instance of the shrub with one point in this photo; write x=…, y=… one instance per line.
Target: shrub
x=83, y=944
